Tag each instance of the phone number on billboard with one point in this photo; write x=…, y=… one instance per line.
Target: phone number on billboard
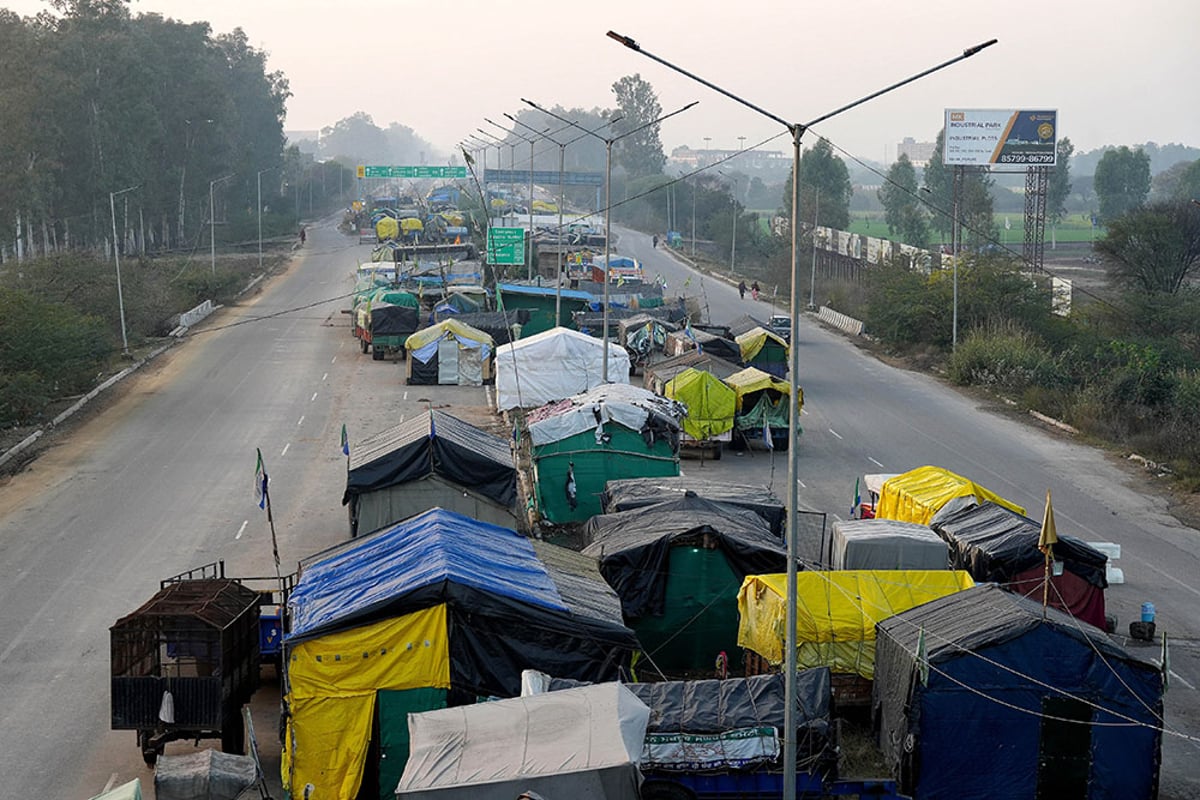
x=1026, y=158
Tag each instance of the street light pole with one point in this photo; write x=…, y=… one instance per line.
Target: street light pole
x=608, y=143
x=733, y=246
x=212, y=221
x=112, y=207
x=812, y=286
x=529, y=251
x=797, y=131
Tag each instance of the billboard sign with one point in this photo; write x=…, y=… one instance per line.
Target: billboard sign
x=1000, y=137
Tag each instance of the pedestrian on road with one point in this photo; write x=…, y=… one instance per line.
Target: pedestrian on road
x=754, y=290
x=742, y=289
x=654, y=240
x=303, y=235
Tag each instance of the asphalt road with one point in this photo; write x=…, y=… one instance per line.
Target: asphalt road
x=162, y=482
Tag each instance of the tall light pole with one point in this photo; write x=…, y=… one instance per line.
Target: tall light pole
x=529, y=251
x=562, y=157
x=608, y=145
x=733, y=246
x=512, y=164
x=812, y=277
x=212, y=221
x=258, y=180
x=797, y=131
x=112, y=207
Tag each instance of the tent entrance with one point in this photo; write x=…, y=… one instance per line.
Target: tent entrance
x=389, y=748
x=1064, y=753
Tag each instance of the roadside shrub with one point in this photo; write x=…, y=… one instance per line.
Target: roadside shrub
x=1003, y=356
x=23, y=397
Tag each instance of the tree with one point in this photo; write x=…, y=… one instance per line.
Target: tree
x=902, y=210
x=641, y=153
x=823, y=177
x=1154, y=248
x=356, y=138
x=939, y=189
x=1060, y=183
x=974, y=198
x=1122, y=181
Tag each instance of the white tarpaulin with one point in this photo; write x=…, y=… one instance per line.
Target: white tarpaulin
x=580, y=743
x=626, y=405
x=553, y=365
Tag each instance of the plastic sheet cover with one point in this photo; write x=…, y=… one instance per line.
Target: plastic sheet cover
x=916, y=495
x=438, y=546
x=752, y=341
x=552, y=365
x=886, y=544
x=626, y=494
x=752, y=379
x=423, y=345
x=836, y=612
x=710, y=403
x=204, y=775
x=630, y=406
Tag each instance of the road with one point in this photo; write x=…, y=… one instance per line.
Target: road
x=162, y=481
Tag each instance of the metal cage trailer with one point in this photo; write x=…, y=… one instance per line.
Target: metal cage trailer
x=184, y=664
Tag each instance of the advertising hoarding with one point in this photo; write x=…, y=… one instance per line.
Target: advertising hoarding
x=1000, y=137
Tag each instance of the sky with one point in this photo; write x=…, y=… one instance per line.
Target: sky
x=1118, y=73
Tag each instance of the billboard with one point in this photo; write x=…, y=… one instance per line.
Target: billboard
x=1001, y=137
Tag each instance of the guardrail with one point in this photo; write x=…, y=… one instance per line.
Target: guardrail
x=840, y=321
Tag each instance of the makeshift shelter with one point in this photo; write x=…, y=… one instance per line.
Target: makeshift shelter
x=677, y=567
x=203, y=775
x=432, y=460
x=765, y=350
x=581, y=443
x=836, y=612
x=541, y=302
x=692, y=338
x=554, y=365
x=577, y=743
x=709, y=405
x=916, y=495
x=745, y=323
x=450, y=352
x=625, y=494
x=1013, y=701
x=656, y=375
x=886, y=544
x=502, y=326
x=642, y=335
x=437, y=610
x=761, y=407
x=999, y=546
x=126, y=791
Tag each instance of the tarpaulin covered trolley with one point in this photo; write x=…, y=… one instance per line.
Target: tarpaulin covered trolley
x=184, y=664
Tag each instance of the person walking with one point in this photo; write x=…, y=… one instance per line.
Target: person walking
x=654, y=240
x=754, y=290
x=742, y=289
x=303, y=235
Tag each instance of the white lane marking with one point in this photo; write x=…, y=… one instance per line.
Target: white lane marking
x=835, y=433
x=803, y=411
x=333, y=360
x=301, y=420
x=325, y=377
x=406, y=395
x=800, y=483
x=873, y=461
x=401, y=419
x=488, y=391
x=242, y=529
x=314, y=397
x=112, y=779
x=836, y=517
x=1174, y=674
x=285, y=449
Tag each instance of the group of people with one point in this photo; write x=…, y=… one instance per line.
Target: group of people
x=753, y=289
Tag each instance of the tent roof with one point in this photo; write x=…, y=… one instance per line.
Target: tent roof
x=446, y=328
x=884, y=530
x=543, y=291
x=752, y=379
x=916, y=495
x=625, y=494
x=579, y=582
x=987, y=615
x=995, y=544
x=552, y=365
x=630, y=406
x=744, y=323
x=752, y=342
x=715, y=706
x=692, y=359
x=710, y=403
x=357, y=582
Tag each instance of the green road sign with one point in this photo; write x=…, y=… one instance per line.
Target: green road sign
x=506, y=246
x=415, y=173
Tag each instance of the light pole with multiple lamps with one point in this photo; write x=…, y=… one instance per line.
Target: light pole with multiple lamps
x=112, y=207
x=797, y=131
x=529, y=251
x=212, y=221
x=608, y=144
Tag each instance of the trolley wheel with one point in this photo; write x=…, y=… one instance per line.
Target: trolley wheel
x=377, y=353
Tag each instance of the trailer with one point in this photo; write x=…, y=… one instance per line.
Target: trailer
x=184, y=663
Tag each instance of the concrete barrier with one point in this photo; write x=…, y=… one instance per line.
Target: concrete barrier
x=189, y=318
x=840, y=321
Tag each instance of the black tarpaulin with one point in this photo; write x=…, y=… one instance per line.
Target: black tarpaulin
x=389, y=320
x=627, y=494
x=497, y=324
x=634, y=546
x=434, y=442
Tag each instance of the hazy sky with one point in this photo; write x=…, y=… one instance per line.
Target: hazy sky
x=1118, y=72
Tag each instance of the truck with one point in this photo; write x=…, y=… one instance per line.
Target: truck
x=384, y=321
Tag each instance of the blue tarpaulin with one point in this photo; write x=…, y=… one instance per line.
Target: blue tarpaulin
x=431, y=548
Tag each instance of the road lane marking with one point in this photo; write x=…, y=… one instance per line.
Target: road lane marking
x=112, y=779
x=314, y=397
x=488, y=391
x=325, y=377
x=800, y=483
x=301, y=420
x=835, y=433
x=1174, y=674
x=242, y=529
x=873, y=461
x=333, y=360
x=406, y=395
x=285, y=449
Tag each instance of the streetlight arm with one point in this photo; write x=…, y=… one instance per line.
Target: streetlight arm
x=612, y=139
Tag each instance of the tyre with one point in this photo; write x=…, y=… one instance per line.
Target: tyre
x=666, y=790
x=377, y=353
x=362, y=345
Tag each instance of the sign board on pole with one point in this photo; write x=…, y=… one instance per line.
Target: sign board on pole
x=506, y=246
x=413, y=173
x=1005, y=137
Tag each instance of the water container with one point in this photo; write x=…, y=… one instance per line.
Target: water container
x=1147, y=612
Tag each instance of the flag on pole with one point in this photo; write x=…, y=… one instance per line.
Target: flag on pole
x=260, y=481
x=922, y=658
x=345, y=441
x=857, y=499
x=1049, y=536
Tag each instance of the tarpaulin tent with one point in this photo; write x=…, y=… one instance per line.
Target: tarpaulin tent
x=657, y=374
x=836, y=612
x=126, y=791
x=692, y=338
x=449, y=352
x=765, y=350
x=1017, y=703
x=502, y=326
x=677, y=567
x=580, y=743
x=745, y=323
x=761, y=406
x=916, y=495
x=997, y=545
x=553, y=365
x=709, y=404
x=435, y=610
x=625, y=494
x=580, y=443
x=886, y=544
x=433, y=459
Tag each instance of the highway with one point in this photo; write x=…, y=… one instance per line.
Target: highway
x=161, y=482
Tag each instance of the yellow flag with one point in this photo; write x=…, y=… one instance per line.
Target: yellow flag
x=1049, y=536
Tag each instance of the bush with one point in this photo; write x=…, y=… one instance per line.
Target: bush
x=1003, y=356
x=23, y=397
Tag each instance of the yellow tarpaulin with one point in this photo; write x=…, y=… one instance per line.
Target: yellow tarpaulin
x=410, y=224
x=710, y=403
x=916, y=495
x=333, y=680
x=752, y=379
x=387, y=228
x=836, y=612
x=752, y=341
x=447, y=327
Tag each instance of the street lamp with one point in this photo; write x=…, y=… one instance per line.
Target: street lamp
x=529, y=252
x=212, y=221
x=608, y=143
x=797, y=131
x=812, y=277
x=112, y=207
x=512, y=165
x=258, y=180
x=733, y=245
